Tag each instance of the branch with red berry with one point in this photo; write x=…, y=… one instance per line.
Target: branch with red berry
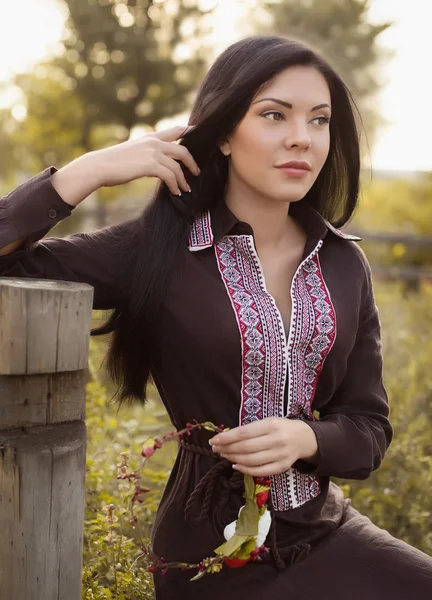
x=244, y=537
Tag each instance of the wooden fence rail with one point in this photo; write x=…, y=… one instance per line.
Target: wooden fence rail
x=44, y=341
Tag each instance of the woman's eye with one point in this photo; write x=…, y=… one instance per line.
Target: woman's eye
x=274, y=112
x=323, y=120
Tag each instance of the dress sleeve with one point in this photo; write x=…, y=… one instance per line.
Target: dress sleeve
x=354, y=432
x=101, y=258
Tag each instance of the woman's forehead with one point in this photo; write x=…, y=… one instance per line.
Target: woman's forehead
x=296, y=84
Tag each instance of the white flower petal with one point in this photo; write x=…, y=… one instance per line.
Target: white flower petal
x=229, y=530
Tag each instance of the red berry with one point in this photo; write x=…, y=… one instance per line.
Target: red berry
x=261, y=498
x=263, y=481
x=152, y=569
x=235, y=563
x=149, y=451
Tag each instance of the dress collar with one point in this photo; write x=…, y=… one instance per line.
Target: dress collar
x=209, y=227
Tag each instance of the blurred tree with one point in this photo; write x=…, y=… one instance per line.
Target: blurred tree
x=134, y=61
x=340, y=31
x=50, y=130
x=8, y=160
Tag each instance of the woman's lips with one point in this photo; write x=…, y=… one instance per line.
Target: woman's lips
x=292, y=172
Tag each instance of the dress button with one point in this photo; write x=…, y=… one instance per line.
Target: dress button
x=52, y=213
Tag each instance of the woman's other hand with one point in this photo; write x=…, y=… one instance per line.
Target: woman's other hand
x=268, y=446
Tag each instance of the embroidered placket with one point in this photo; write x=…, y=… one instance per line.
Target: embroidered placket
x=268, y=358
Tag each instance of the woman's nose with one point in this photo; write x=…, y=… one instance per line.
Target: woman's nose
x=298, y=135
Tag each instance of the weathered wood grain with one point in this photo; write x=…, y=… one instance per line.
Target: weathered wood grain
x=32, y=311
x=44, y=340
x=42, y=491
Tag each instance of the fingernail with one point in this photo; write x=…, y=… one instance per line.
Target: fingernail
x=179, y=194
x=189, y=190
x=211, y=442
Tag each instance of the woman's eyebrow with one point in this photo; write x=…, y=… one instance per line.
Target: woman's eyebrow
x=288, y=105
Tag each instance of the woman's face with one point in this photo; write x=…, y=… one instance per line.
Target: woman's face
x=288, y=120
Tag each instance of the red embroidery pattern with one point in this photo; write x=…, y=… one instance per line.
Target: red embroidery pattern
x=200, y=233
x=262, y=337
x=312, y=335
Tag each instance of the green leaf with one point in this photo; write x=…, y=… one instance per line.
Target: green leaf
x=233, y=544
x=247, y=523
x=246, y=549
x=249, y=488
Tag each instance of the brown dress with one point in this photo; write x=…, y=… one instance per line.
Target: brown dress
x=222, y=355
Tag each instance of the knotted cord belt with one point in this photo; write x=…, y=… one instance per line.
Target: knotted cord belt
x=198, y=506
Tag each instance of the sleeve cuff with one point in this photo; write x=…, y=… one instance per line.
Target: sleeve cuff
x=328, y=437
x=34, y=206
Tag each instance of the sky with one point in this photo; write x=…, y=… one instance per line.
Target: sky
x=30, y=30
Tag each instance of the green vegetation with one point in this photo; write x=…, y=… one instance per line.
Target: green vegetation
x=398, y=206
x=110, y=570
x=397, y=496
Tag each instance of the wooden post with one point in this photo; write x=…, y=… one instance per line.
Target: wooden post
x=44, y=340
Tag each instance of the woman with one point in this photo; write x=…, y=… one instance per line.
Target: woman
x=199, y=284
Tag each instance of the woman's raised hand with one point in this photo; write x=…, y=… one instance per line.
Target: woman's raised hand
x=152, y=155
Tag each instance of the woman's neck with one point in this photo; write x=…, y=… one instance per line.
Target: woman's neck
x=271, y=224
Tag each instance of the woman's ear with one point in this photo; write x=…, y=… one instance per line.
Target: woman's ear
x=225, y=148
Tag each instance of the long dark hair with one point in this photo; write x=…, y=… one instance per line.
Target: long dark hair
x=222, y=101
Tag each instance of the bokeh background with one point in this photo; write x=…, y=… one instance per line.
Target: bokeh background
x=76, y=75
